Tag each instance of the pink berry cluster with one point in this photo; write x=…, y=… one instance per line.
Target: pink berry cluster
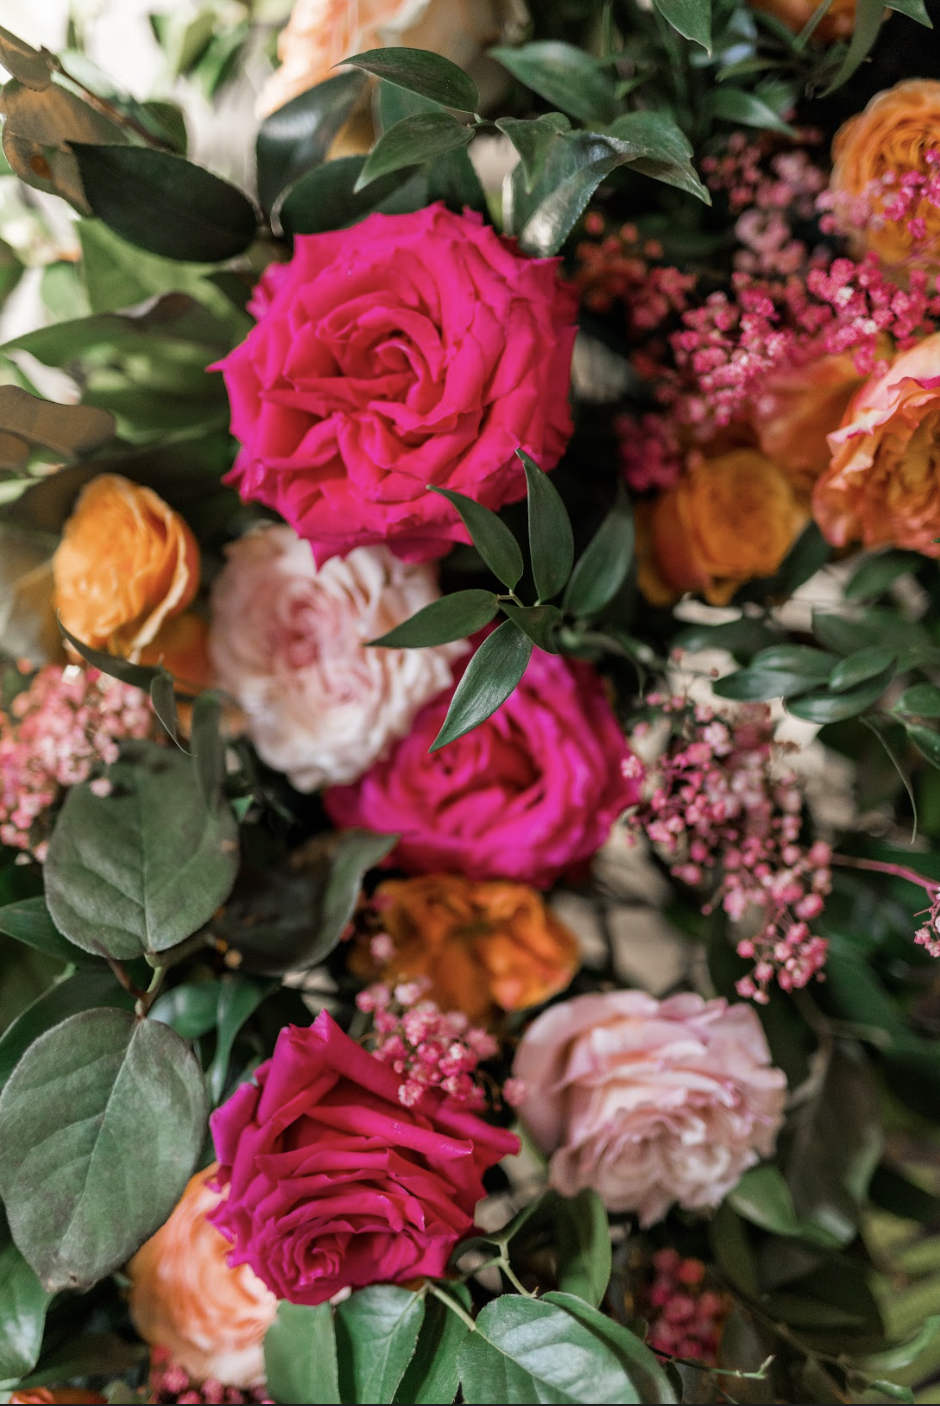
x=649, y=451
x=428, y=1047
x=685, y=1317
x=719, y=804
x=170, y=1383
x=620, y=267
x=903, y=198
x=56, y=731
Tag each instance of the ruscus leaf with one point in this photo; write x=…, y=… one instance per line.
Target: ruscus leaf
x=491, y=537
x=411, y=142
x=551, y=540
x=564, y=75
x=429, y=75
x=489, y=679
x=452, y=617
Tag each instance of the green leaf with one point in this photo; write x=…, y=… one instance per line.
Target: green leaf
x=575, y=165
x=357, y=852
x=429, y=75
x=491, y=537
x=893, y=1192
x=191, y=1009
x=239, y=998
x=642, y=1367
x=737, y=106
x=165, y=204
x=431, y=1376
x=798, y=659
x=163, y=698
x=844, y=636
x=489, y=679
x=915, y=10
x=26, y=422
x=139, y=870
x=527, y=1349
x=395, y=103
x=118, y=275
x=376, y=1335
x=692, y=19
x=27, y=920
x=744, y=636
x=412, y=141
x=142, y=676
x=300, y=133
x=667, y=152
x=926, y=741
x=22, y=1311
x=551, y=540
x=763, y=1197
x=93, y=987
x=603, y=566
x=760, y=684
x=451, y=177
x=582, y=1239
x=324, y=198
x=452, y=617
x=300, y=1355
x=827, y=707
x=101, y=1123
x=207, y=748
x=894, y=1359
x=921, y=700
x=858, y=668
x=563, y=75
x=532, y=137
x=868, y=17
x=539, y=622
x=877, y=573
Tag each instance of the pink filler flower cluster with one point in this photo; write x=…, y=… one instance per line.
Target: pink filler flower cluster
x=685, y=1316
x=170, y=1383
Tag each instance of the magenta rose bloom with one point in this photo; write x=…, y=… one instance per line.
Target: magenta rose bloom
x=332, y=1183
x=408, y=350
x=524, y=796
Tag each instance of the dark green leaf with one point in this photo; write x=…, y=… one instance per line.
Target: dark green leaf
x=208, y=749
x=190, y=1009
x=376, y=1335
x=143, y=868
x=165, y=204
x=325, y=199
x=452, y=617
x=759, y=685
x=429, y=75
x=666, y=151
x=163, y=698
x=300, y=133
x=137, y=675
x=737, y=106
x=300, y=1355
x=451, y=177
x=868, y=17
x=531, y=137
x=733, y=1252
x=915, y=10
x=28, y=921
x=491, y=537
x=603, y=566
x=921, y=700
x=763, y=1197
x=905, y=1199
x=239, y=998
x=489, y=679
x=575, y=165
x=22, y=1311
x=539, y=622
x=834, y=707
x=879, y=727
x=692, y=18
x=431, y=1377
x=563, y=75
x=877, y=573
x=842, y=635
x=894, y=1359
x=798, y=659
x=395, y=103
x=641, y=1366
x=863, y=665
x=411, y=142
x=583, y=1245
x=551, y=540
x=357, y=851
x=93, y=987
x=926, y=741
x=744, y=636
x=101, y=1123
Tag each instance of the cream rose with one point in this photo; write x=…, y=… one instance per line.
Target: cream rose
x=288, y=643
x=650, y=1102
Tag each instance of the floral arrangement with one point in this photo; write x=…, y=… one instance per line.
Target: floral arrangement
x=502, y=528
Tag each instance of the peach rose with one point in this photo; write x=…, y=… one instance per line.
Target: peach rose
x=837, y=23
x=185, y=1297
x=321, y=33
x=650, y=1102
x=871, y=152
x=485, y=947
x=797, y=411
x=883, y=485
x=288, y=643
x=127, y=564
x=726, y=521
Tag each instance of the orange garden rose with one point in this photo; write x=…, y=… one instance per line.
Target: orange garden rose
x=126, y=566
x=728, y=520
x=837, y=23
x=484, y=946
x=889, y=139
x=883, y=485
x=796, y=413
x=186, y=1298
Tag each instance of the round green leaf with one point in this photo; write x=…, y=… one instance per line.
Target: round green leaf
x=490, y=677
x=413, y=141
x=141, y=869
x=101, y=1123
x=165, y=204
x=429, y=75
x=452, y=617
x=921, y=700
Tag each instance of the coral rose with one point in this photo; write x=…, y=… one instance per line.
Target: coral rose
x=185, y=1297
x=126, y=565
x=727, y=521
x=837, y=23
x=333, y=1183
x=409, y=350
x=872, y=153
x=484, y=947
x=650, y=1102
x=288, y=643
x=527, y=794
x=797, y=411
x=883, y=484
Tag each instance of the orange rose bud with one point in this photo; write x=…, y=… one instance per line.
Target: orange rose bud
x=798, y=410
x=889, y=139
x=485, y=947
x=185, y=1297
x=837, y=23
x=127, y=564
x=727, y=521
x=883, y=485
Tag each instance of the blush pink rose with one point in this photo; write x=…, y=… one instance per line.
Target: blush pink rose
x=409, y=350
x=288, y=642
x=650, y=1102
x=333, y=1184
x=530, y=792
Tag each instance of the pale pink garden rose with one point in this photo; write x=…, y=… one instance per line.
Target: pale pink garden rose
x=288, y=643
x=650, y=1102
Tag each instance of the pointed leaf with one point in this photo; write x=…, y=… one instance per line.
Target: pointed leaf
x=491, y=537
x=583, y=1245
x=539, y=622
x=28, y=921
x=489, y=679
x=376, y=1334
x=412, y=141
x=299, y=134
x=532, y=138
x=603, y=566
x=207, y=748
x=877, y=573
x=563, y=75
x=647, y=1375
x=239, y=998
x=574, y=167
x=429, y=75
x=926, y=741
x=551, y=540
x=452, y=617
x=692, y=19
x=22, y=1314
x=432, y=1376
x=859, y=667
x=667, y=152
x=325, y=198
x=163, y=699
x=33, y=70
x=739, y=107
x=921, y=700
x=868, y=17
x=300, y=1355
x=825, y=707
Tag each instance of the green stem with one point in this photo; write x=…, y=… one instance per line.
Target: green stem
x=453, y=1305
x=505, y=1266
x=147, y=999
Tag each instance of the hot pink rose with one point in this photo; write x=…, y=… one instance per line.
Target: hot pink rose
x=408, y=350
x=332, y=1182
x=650, y=1102
x=530, y=792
